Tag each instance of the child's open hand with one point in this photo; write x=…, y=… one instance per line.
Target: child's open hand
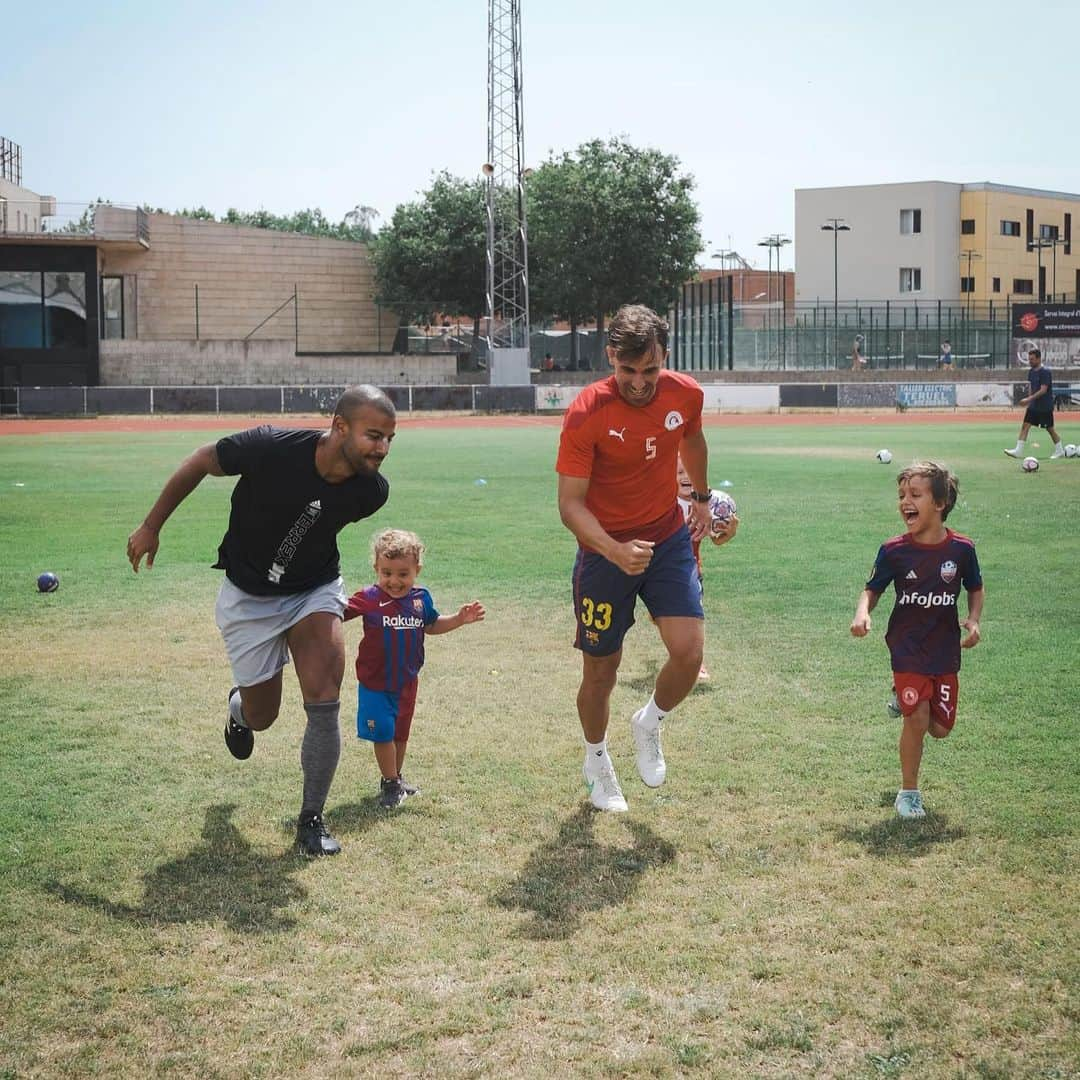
x=473, y=612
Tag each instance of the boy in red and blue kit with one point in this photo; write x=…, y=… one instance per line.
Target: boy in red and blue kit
x=397, y=615
x=927, y=566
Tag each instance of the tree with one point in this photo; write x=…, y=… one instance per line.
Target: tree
x=609, y=224
x=432, y=256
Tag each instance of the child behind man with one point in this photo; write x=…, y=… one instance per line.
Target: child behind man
x=397, y=616
x=721, y=533
x=927, y=566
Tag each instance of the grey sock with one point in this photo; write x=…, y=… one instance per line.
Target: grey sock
x=319, y=754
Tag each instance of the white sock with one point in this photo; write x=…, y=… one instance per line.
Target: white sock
x=1058, y=448
x=1019, y=446
x=652, y=715
x=596, y=755
x=236, y=711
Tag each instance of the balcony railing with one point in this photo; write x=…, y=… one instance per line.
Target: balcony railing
x=45, y=217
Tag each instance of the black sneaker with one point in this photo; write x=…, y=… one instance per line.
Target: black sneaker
x=392, y=793
x=313, y=837
x=410, y=790
x=240, y=740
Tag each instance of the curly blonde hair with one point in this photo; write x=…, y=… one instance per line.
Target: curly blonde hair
x=397, y=544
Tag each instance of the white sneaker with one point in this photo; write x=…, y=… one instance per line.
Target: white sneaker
x=909, y=804
x=650, y=757
x=1059, y=452
x=604, y=790
x=1013, y=453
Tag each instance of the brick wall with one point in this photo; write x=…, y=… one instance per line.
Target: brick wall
x=243, y=274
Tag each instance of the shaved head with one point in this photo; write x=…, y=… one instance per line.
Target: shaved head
x=356, y=397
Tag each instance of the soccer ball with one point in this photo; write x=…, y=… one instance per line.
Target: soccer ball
x=884, y=456
x=721, y=508
x=1029, y=464
x=48, y=582
x=1070, y=450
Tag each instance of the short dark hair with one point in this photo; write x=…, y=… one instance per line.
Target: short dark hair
x=1035, y=352
x=943, y=484
x=635, y=329
x=356, y=397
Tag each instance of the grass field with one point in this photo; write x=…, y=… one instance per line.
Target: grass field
x=763, y=914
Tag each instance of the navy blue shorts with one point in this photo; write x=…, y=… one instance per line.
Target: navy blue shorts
x=604, y=597
x=1039, y=417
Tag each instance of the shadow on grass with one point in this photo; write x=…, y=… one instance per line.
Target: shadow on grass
x=222, y=878
x=899, y=836
x=569, y=876
x=645, y=683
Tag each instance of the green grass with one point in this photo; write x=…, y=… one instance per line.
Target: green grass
x=762, y=914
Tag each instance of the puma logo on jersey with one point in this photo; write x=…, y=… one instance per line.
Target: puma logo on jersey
x=620, y=435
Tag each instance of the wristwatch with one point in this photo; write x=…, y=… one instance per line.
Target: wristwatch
x=698, y=496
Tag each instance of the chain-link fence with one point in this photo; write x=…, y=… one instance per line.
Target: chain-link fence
x=709, y=332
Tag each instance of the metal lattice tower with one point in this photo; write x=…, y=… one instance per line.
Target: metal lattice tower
x=507, y=243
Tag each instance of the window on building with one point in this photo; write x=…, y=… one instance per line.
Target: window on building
x=967, y=226
x=65, y=309
x=997, y=285
x=1023, y=286
x=112, y=307
x=967, y=284
x=20, y=309
x=1010, y=228
x=910, y=222
x=1048, y=232
x=910, y=279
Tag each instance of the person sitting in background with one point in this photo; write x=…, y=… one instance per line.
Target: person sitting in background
x=945, y=360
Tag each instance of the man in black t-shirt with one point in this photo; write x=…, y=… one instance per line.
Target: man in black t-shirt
x=283, y=592
x=1040, y=407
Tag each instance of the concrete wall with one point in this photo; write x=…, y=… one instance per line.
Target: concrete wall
x=869, y=257
x=22, y=214
x=258, y=363
x=243, y=274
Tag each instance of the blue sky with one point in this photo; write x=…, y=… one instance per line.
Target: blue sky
x=334, y=104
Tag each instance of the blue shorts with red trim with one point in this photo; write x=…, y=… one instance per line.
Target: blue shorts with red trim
x=605, y=597
x=383, y=715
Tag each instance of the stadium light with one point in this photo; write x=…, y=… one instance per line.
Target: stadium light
x=776, y=240
x=835, y=226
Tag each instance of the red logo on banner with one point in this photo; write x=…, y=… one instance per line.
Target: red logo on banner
x=1029, y=322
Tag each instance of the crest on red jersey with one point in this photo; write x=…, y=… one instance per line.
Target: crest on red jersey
x=948, y=571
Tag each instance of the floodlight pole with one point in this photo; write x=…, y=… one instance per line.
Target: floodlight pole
x=507, y=234
x=777, y=241
x=835, y=226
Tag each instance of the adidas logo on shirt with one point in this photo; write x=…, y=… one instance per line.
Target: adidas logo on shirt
x=911, y=576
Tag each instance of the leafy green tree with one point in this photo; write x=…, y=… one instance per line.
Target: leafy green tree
x=432, y=255
x=609, y=224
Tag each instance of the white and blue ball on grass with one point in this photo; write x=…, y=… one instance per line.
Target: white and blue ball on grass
x=884, y=456
x=48, y=582
x=1070, y=450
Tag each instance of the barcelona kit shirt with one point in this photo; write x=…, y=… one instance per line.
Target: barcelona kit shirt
x=391, y=652
x=628, y=454
x=924, y=628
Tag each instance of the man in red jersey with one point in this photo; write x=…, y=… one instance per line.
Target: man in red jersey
x=620, y=442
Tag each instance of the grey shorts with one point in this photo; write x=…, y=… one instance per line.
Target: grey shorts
x=254, y=627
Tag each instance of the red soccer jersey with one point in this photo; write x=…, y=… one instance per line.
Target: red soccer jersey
x=628, y=453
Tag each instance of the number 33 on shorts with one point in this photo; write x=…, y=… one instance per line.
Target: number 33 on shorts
x=595, y=616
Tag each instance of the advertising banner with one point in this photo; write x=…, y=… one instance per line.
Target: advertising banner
x=926, y=395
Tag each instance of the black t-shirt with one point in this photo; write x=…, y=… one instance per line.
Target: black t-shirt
x=285, y=517
x=1037, y=377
